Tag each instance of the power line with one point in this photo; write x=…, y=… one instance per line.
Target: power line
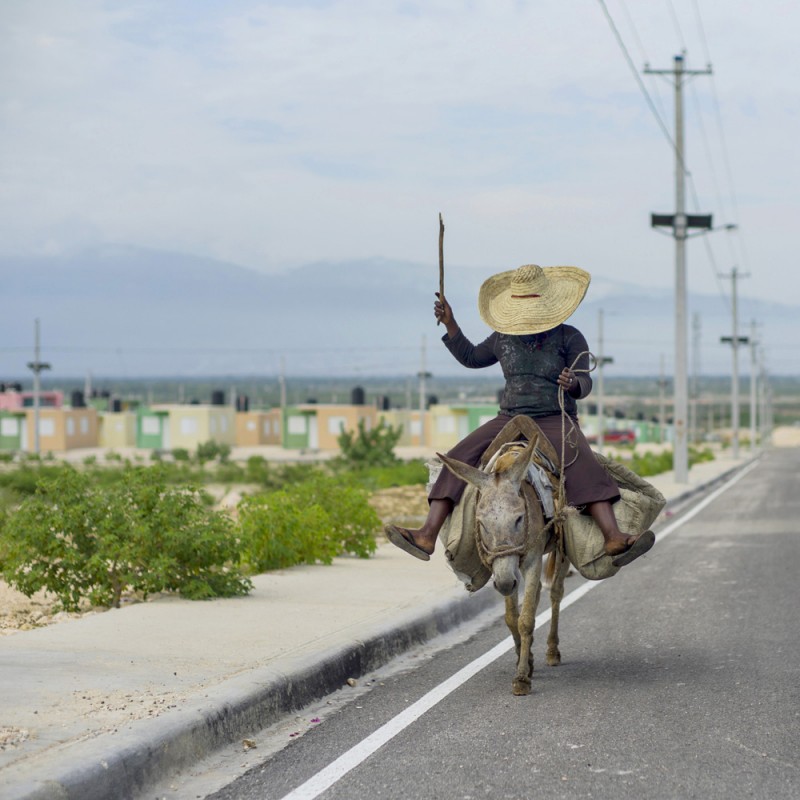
x=638, y=78
x=645, y=58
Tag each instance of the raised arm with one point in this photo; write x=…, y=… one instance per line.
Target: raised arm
x=466, y=353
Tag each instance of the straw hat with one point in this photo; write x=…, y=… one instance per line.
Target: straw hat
x=531, y=299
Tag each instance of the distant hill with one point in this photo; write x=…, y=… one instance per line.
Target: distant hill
x=129, y=312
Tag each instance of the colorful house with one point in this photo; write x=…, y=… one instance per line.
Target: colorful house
x=258, y=427
x=13, y=428
x=318, y=427
x=62, y=429
x=152, y=429
x=118, y=429
x=416, y=427
x=191, y=425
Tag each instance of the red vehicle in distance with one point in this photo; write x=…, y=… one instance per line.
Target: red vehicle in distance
x=624, y=436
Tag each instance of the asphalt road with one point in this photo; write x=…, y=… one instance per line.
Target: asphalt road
x=680, y=679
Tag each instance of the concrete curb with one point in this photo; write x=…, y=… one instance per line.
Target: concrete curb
x=150, y=750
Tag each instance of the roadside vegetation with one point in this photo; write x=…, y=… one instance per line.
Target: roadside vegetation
x=92, y=533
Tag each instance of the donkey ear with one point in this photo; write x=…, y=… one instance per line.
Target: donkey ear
x=520, y=467
x=472, y=475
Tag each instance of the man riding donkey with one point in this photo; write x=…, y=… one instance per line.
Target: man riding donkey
x=527, y=308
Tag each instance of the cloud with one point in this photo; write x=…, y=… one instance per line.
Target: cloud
x=276, y=133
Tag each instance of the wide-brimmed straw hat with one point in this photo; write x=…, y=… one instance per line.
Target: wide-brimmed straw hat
x=531, y=299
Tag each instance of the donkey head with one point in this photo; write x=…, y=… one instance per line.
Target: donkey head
x=500, y=513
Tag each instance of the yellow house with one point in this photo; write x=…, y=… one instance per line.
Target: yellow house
x=191, y=425
x=416, y=427
x=117, y=429
x=258, y=427
x=62, y=429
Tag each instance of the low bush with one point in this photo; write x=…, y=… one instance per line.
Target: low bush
x=211, y=450
x=648, y=464
x=310, y=522
x=366, y=448
x=140, y=534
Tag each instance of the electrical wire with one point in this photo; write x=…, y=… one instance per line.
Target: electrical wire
x=640, y=82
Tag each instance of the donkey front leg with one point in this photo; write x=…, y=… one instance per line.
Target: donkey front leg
x=512, y=619
x=527, y=617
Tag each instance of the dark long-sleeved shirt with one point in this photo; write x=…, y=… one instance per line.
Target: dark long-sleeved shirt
x=531, y=366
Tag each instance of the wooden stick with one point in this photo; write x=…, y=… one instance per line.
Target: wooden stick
x=441, y=262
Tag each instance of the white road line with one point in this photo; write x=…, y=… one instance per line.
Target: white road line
x=349, y=760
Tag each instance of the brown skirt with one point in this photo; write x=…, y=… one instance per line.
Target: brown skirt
x=585, y=480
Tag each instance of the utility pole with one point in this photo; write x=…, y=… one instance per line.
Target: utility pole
x=282, y=384
x=680, y=223
x=763, y=387
x=601, y=360
x=36, y=366
x=753, y=381
x=662, y=385
x=423, y=374
x=735, y=340
x=693, y=393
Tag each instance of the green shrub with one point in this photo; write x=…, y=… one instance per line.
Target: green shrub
x=346, y=502
x=648, y=464
x=6, y=457
x=279, y=532
x=211, y=450
x=364, y=448
x=229, y=472
x=257, y=471
x=180, y=454
x=25, y=477
x=403, y=473
x=81, y=543
x=307, y=523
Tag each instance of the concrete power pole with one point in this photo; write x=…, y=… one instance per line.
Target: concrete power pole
x=753, y=392
x=735, y=340
x=423, y=375
x=36, y=366
x=680, y=223
x=662, y=417
x=693, y=389
x=282, y=384
x=601, y=360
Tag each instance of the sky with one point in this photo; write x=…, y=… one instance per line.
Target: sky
x=273, y=134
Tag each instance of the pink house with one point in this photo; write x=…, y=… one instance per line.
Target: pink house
x=12, y=400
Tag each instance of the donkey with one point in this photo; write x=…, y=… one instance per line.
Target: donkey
x=512, y=537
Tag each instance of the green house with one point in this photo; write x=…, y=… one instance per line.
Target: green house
x=152, y=429
x=12, y=431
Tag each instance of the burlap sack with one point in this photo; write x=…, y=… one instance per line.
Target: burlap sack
x=636, y=510
x=460, y=547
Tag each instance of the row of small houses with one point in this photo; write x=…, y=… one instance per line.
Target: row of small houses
x=310, y=427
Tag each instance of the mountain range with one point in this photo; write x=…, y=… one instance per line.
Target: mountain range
x=127, y=311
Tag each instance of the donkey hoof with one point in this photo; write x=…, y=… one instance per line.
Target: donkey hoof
x=554, y=659
x=521, y=688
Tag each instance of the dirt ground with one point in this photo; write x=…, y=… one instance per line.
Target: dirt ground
x=404, y=504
